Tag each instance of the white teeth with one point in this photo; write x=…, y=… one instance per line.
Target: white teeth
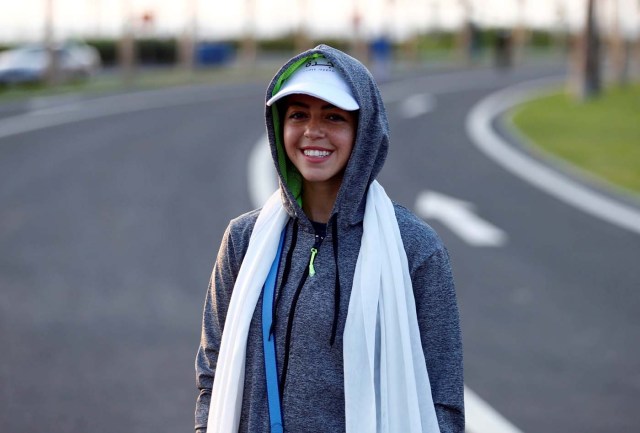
x=316, y=153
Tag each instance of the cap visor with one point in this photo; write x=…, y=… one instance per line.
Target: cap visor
x=328, y=93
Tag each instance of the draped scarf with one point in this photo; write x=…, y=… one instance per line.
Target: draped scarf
x=386, y=383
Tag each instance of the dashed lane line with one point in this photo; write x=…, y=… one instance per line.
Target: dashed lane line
x=482, y=418
x=416, y=105
x=75, y=111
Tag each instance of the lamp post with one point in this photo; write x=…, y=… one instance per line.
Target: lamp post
x=358, y=45
x=618, y=47
x=126, y=47
x=561, y=31
x=465, y=34
x=435, y=17
x=520, y=32
x=96, y=6
x=51, y=73
x=189, y=37
x=249, y=49
x=302, y=37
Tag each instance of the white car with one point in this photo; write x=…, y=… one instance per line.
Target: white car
x=28, y=64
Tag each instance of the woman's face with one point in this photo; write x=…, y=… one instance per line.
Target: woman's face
x=318, y=138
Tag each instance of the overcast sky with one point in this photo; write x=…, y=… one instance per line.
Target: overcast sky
x=23, y=20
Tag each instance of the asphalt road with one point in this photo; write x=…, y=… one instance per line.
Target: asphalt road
x=109, y=227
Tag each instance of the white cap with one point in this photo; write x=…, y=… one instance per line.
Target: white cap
x=319, y=78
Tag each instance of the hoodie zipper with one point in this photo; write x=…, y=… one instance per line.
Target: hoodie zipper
x=314, y=251
x=309, y=271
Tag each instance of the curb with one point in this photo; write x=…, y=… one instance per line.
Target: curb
x=479, y=125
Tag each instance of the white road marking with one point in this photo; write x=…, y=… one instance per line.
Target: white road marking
x=460, y=218
x=417, y=105
x=93, y=109
x=41, y=103
x=65, y=108
x=262, y=176
x=107, y=106
x=482, y=418
x=440, y=83
x=479, y=128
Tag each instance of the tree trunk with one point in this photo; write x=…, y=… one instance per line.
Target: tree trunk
x=588, y=75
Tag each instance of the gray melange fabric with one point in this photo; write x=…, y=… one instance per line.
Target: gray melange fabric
x=313, y=396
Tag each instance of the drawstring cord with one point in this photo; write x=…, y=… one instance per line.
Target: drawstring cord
x=285, y=275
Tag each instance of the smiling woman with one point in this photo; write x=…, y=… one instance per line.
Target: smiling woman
x=327, y=306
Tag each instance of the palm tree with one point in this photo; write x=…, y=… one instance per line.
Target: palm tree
x=589, y=81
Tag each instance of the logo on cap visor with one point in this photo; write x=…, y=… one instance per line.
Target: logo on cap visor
x=315, y=63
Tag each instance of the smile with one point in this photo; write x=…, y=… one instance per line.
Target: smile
x=316, y=153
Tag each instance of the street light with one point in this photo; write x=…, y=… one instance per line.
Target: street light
x=618, y=46
x=51, y=74
x=249, y=51
x=301, y=42
x=187, y=41
x=520, y=33
x=127, y=45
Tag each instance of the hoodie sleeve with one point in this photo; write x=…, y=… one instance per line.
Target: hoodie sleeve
x=438, y=320
x=223, y=277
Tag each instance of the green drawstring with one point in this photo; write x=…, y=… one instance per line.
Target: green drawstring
x=312, y=270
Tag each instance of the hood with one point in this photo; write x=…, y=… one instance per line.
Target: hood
x=370, y=147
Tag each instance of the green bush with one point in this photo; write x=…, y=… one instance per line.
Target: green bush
x=148, y=51
x=107, y=49
x=541, y=39
x=157, y=51
x=281, y=43
x=437, y=41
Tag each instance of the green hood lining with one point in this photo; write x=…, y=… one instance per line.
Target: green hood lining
x=290, y=173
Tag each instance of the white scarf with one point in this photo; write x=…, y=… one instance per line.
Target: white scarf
x=385, y=376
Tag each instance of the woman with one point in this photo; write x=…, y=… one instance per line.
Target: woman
x=360, y=327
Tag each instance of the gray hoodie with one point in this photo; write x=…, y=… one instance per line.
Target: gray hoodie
x=311, y=310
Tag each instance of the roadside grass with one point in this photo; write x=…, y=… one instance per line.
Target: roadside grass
x=601, y=136
x=143, y=79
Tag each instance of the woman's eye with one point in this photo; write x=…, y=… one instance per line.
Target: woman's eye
x=336, y=117
x=296, y=115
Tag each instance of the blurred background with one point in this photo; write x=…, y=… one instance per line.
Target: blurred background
x=59, y=40
x=132, y=131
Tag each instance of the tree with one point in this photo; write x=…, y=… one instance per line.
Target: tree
x=589, y=82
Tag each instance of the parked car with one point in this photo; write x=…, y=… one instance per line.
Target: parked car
x=28, y=64
x=85, y=55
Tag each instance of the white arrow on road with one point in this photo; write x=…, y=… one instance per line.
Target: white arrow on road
x=417, y=105
x=460, y=218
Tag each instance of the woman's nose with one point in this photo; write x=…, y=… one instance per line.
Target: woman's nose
x=314, y=129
